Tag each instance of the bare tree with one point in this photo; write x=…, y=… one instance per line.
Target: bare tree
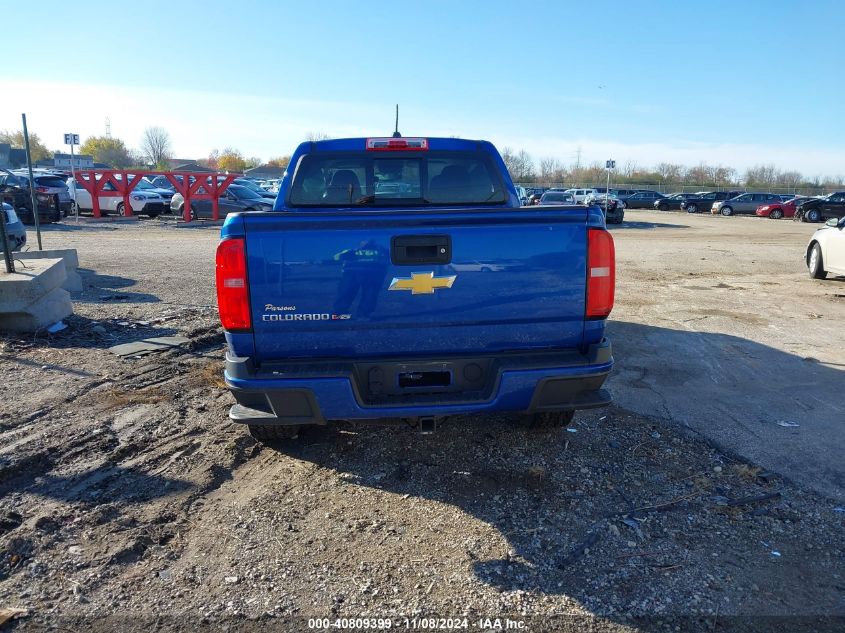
x=155, y=145
x=520, y=166
x=549, y=168
x=629, y=168
x=510, y=160
x=526, y=166
x=670, y=172
x=316, y=136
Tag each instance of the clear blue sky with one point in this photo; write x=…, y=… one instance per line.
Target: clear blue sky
x=731, y=82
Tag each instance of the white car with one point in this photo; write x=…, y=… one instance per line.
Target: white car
x=477, y=266
x=272, y=185
x=826, y=250
x=581, y=195
x=147, y=203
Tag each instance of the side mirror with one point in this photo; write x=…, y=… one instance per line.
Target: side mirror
x=832, y=222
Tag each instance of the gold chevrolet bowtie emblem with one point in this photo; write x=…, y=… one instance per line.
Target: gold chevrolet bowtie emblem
x=422, y=283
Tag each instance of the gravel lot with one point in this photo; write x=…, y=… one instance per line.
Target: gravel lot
x=128, y=501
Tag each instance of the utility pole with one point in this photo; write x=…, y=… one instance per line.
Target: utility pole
x=32, y=184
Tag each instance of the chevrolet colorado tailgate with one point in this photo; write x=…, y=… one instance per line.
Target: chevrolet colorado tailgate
x=392, y=283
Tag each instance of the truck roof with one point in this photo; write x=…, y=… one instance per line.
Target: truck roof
x=435, y=143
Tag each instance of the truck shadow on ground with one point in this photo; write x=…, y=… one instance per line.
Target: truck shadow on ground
x=82, y=332
x=619, y=511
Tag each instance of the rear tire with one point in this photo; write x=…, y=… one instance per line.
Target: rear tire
x=273, y=432
x=551, y=420
x=815, y=264
x=776, y=214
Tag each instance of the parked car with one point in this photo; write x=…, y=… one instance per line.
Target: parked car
x=535, y=197
x=521, y=194
x=51, y=195
x=556, y=197
x=51, y=184
x=581, y=195
x=143, y=202
x=826, y=250
x=777, y=210
x=642, y=199
x=673, y=201
x=162, y=182
x=821, y=209
x=595, y=198
x=614, y=211
x=15, y=230
x=254, y=186
x=165, y=193
x=272, y=185
x=705, y=200
x=235, y=198
x=743, y=203
x=623, y=193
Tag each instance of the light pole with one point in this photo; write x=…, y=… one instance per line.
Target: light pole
x=609, y=166
x=73, y=139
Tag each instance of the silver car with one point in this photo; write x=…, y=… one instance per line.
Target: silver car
x=15, y=230
x=744, y=203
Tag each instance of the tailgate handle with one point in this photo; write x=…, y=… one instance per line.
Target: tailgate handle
x=421, y=249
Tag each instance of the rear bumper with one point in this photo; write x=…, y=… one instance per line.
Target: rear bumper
x=313, y=393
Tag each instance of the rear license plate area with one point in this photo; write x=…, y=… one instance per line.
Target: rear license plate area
x=424, y=379
x=417, y=381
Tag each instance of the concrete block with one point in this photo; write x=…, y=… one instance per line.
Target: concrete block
x=73, y=282
x=54, y=306
x=33, y=298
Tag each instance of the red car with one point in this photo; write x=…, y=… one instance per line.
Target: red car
x=778, y=210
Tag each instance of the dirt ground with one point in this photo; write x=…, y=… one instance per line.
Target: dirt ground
x=129, y=502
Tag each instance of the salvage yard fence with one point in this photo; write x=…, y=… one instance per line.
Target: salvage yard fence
x=190, y=185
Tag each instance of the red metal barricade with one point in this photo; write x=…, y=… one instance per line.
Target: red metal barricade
x=191, y=185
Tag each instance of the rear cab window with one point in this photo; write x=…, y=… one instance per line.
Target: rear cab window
x=400, y=179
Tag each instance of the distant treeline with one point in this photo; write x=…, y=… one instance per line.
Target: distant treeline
x=663, y=176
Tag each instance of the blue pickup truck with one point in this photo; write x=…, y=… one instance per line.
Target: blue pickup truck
x=399, y=279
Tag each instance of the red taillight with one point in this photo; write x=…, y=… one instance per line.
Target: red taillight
x=396, y=144
x=232, y=290
x=601, y=273
x=42, y=190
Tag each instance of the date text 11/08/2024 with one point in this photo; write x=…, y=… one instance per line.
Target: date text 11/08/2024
x=420, y=624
